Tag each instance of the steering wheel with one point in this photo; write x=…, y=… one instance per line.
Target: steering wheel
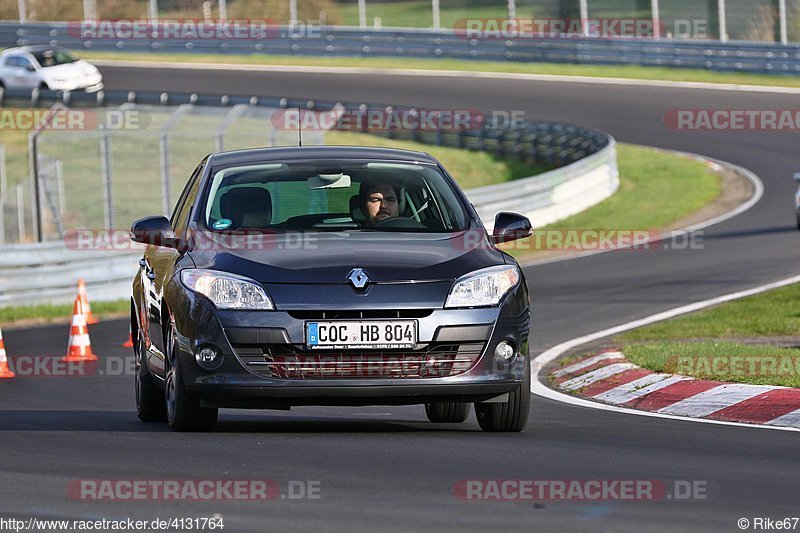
x=399, y=223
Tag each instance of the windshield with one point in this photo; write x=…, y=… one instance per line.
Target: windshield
x=333, y=196
x=51, y=58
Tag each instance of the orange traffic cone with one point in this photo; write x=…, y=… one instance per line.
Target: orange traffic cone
x=87, y=308
x=5, y=372
x=79, y=348
x=129, y=342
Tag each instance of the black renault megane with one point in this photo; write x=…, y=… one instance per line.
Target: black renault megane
x=329, y=276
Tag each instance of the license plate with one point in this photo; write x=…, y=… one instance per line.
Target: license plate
x=356, y=334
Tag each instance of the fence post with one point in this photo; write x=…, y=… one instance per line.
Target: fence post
x=3, y=174
x=3, y=193
x=584, y=7
x=62, y=198
x=33, y=163
x=783, y=16
x=437, y=23
x=362, y=14
x=656, y=16
x=165, y=185
x=20, y=212
x=723, y=23
x=108, y=196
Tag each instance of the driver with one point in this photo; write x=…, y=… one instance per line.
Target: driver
x=379, y=202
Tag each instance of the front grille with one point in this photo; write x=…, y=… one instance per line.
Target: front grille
x=289, y=362
x=361, y=314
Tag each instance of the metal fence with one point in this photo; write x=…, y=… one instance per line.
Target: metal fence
x=752, y=20
x=132, y=160
x=698, y=54
x=46, y=272
x=101, y=171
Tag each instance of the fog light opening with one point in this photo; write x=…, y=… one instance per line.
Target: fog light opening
x=504, y=352
x=208, y=357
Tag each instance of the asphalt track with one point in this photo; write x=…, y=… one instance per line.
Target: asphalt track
x=386, y=468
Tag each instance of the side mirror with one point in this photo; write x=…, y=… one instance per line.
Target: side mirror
x=30, y=68
x=797, y=177
x=510, y=227
x=156, y=231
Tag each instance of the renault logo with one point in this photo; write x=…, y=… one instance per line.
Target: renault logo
x=358, y=278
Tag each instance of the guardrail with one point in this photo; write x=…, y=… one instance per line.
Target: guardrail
x=586, y=174
x=49, y=272
x=736, y=56
x=554, y=195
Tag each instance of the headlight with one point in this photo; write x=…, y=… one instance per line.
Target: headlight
x=227, y=291
x=483, y=287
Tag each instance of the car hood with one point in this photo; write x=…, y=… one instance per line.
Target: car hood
x=328, y=258
x=69, y=70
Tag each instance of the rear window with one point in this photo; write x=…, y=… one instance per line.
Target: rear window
x=325, y=196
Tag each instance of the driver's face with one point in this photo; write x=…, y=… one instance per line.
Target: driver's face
x=380, y=204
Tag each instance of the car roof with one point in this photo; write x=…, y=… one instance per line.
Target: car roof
x=30, y=49
x=298, y=153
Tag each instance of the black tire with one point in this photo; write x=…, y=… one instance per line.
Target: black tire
x=798, y=220
x=43, y=87
x=150, y=404
x=447, y=412
x=509, y=416
x=184, y=412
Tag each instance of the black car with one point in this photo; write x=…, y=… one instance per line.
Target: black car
x=329, y=276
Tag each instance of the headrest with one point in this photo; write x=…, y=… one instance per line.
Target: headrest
x=356, y=212
x=247, y=207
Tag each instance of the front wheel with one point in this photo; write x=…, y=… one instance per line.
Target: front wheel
x=447, y=412
x=511, y=415
x=184, y=412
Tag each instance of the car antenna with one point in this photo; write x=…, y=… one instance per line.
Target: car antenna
x=299, y=127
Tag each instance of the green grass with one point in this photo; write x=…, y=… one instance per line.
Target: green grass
x=46, y=313
x=647, y=177
x=612, y=71
x=770, y=314
x=419, y=14
x=710, y=337
x=720, y=360
x=470, y=169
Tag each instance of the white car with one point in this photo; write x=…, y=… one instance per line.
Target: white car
x=47, y=67
x=797, y=198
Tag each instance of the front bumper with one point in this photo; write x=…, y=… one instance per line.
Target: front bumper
x=241, y=336
x=89, y=84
